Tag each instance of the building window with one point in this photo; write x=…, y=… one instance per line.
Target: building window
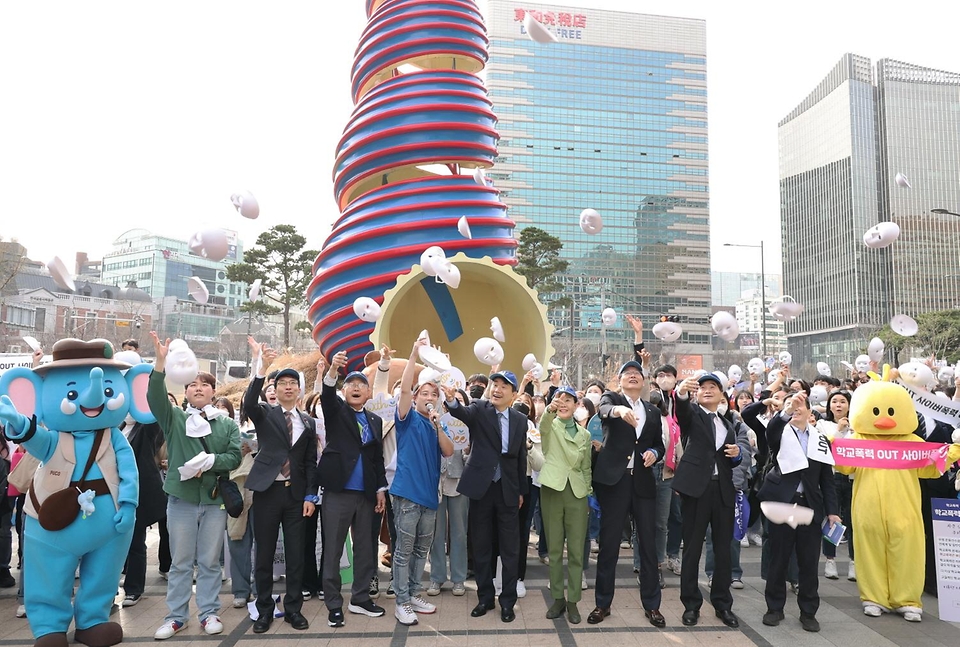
x=20, y=316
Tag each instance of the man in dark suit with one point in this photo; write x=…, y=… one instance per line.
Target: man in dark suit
x=624, y=483
x=704, y=480
x=354, y=484
x=813, y=487
x=284, y=484
x=495, y=480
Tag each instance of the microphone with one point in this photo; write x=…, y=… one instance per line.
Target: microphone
x=433, y=416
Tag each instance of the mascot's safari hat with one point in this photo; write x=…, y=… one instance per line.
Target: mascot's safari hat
x=76, y=352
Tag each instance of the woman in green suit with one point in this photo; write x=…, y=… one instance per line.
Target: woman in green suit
x=565, y=482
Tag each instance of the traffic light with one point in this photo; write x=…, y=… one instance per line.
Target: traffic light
x=670, y=318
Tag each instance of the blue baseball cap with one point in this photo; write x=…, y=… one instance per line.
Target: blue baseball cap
x=568, y=390
x=631, y=364
x=356, y=375
x=287, y=372
x=710, y=377
x=507, y=376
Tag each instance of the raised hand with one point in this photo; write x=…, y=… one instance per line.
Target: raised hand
x=269, y=355
x=449, y=392
x=339, y=361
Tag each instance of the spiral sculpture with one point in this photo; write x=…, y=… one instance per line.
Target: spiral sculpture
x=418, y=106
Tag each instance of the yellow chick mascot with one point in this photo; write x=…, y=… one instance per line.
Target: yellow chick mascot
x=889, y=541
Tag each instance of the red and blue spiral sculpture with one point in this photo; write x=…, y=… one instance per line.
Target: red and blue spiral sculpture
x=392, y=208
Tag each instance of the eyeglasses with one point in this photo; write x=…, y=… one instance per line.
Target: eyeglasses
x=288, y=383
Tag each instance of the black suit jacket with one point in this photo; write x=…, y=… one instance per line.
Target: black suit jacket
x=273, y=441
x=485, y=452
x=345, y=447
x=620, y=443
x=700, y=454
x=818, y=484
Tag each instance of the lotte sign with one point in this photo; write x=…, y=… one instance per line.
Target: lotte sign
x=563, y=24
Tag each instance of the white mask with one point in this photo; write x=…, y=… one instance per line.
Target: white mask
x=722, y=408
x=580, y=414
x=594, y=398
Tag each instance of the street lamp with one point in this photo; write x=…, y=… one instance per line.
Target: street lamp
x=944, y=212
x=763, y=295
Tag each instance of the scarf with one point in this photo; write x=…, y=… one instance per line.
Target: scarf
x=197, y=426
x=792, y=458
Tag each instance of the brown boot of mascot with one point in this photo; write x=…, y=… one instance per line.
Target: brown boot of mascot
x=52, y=640
x=101, y=635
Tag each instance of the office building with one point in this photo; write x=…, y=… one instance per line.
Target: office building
x=841, y=150
x=612, y=117
x=728, y=287
x=161, y=266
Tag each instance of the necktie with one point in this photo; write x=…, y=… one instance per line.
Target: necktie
x=285, y=468
x=501, y=420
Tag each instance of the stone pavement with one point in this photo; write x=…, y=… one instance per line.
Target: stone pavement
x=843, y=624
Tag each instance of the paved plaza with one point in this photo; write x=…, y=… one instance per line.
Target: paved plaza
x=843, y=624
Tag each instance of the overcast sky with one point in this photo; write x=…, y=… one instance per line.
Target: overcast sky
x=117, y=115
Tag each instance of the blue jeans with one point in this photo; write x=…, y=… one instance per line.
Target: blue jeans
x=736, y=571
x=415, y=526
x=241, y=562
x=674, y=527
x=664, y=502
x=456, y=508
x=196, y=535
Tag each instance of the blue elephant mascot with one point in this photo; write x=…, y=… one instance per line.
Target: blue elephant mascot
x=81, y=508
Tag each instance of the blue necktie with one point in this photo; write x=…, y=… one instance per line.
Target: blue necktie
x=501, y=420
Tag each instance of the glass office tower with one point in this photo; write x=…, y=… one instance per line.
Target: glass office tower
x=840, y=152
x=612, y=117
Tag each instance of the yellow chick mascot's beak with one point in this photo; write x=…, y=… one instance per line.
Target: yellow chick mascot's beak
x=888, y=541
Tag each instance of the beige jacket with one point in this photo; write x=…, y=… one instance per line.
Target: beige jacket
x=57, y=473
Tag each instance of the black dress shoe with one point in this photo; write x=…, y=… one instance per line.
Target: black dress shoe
x=296, y=620
x=507, y=615
x=480, y=610
x=727, y=618
x=690, y=617
x=772, y=618
x=597, y=615
x=262, y=624
x=656, y=618
x=809, y=623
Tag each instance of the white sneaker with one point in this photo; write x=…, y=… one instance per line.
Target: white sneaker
x=405, y=614
x=521, y=589
x=169, y=629
x=212, y=625
x=421, y=606
x=872, y=610
x=744, y=543
x=912, y=616
x=830, y=570
x=594, y=546
x=459, y=589
x=852, y=572
x=736, y=584
x=21, y=611
x=239, y=602
x=583, y=581
x=674, y=563
x=756, y=539
x=434, y=589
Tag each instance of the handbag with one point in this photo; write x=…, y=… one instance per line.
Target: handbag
x=227, y=490
x=21, y=476
x=61, y=508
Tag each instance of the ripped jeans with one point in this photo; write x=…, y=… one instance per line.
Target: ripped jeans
x=415, y=526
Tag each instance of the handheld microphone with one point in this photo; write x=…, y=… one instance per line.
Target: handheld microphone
x=433, y=415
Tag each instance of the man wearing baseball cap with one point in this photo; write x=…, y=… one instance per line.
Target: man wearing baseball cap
x=495, y=481
x=704, y=480
x=624, y=482
x=354, y=482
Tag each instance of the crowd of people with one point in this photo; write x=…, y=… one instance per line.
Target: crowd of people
x=675, y=460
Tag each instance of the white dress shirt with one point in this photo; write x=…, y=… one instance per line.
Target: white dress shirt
x=640, y=413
